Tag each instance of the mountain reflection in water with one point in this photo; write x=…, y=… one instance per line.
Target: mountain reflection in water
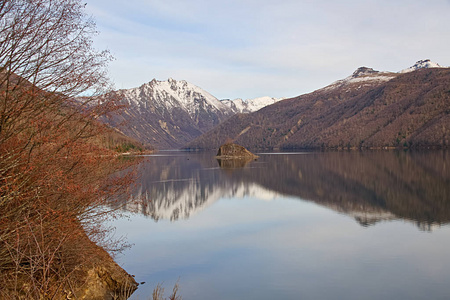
x=369, y=186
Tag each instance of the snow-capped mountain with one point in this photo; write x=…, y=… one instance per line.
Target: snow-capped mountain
x=250, y=105
x=172, y=94
x=368, y=109
x=167, y=114
x=365, y=76
x=426, y=63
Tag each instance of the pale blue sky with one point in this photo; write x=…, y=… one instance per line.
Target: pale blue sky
x=249, y=48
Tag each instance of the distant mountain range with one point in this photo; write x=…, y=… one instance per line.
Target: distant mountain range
x=369, y=109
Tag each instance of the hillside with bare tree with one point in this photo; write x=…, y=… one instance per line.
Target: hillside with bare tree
x=56, y=159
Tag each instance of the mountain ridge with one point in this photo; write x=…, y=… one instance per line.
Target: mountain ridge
x=411, y=109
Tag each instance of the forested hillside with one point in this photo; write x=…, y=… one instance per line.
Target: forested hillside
x=409, y=110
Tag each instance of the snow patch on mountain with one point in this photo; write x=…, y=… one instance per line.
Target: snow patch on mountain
x=250, y=105
x=363, y=75
x=368, y=76
x=421, y=64
x=172, y=94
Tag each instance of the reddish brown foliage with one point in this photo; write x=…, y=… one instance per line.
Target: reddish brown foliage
x=411, y=111
x=55, y=181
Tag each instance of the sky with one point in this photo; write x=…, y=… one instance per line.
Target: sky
x=253, y=48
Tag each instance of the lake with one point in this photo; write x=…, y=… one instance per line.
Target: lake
x=298, y=225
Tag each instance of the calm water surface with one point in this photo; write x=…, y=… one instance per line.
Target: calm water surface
x=335, y=225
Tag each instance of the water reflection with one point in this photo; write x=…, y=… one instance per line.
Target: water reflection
x=369, y=186
x=234, y=163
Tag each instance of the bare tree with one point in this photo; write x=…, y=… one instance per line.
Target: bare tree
x=53, y=178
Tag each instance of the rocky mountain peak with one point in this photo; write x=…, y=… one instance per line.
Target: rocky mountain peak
x=173, y=84
x=250, y=105
x=361, y=71
x=362, y=75
x=421, y=64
